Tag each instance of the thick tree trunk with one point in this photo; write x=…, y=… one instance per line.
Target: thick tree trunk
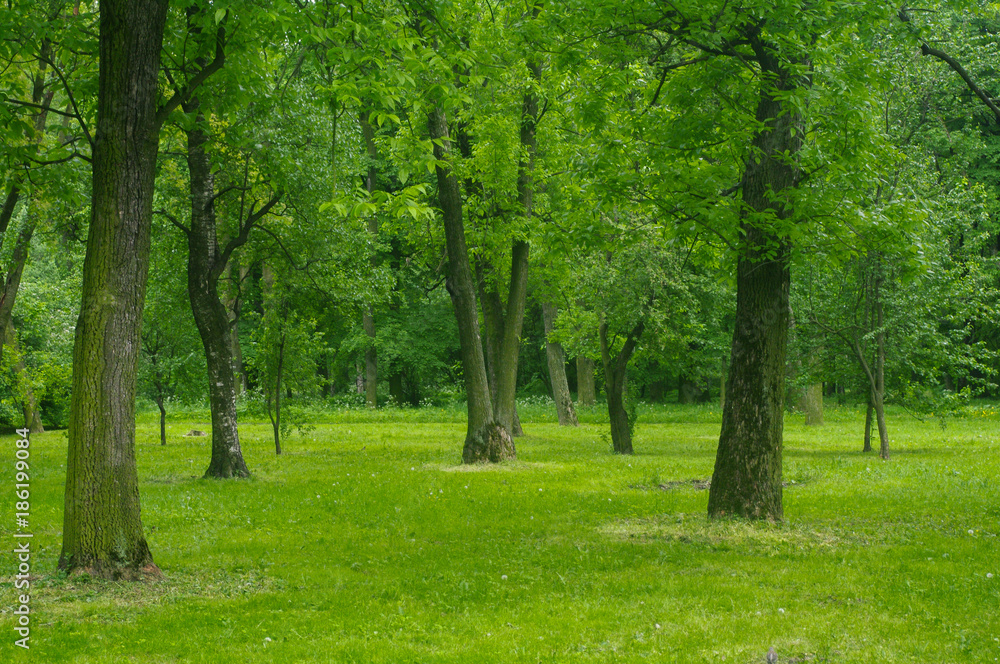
x=486, y=440
x=615, y=367
x=746, y=481
x=205, y=267
x=585, y=384
x=556, y=359
x=102, y=526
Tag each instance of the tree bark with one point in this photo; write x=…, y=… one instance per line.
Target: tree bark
x=556, y=359
x=585, y=384
x=615, y=367
x=486, y=440
x=206, y=263
x=102, y=526
x=879, y=400
x=746, y=481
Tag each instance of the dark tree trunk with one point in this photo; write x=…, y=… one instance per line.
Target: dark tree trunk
x=556, y=359
x=13, y=280
x=486, y=440
x=615, y=367
x=746, y=481
x=102, y=527
x=396, y=388
x=163, y=416
x=276, y=417
x=585, y=384
x=206, y=263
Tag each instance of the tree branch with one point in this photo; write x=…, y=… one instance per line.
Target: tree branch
x=960, y=70
x=184, y=94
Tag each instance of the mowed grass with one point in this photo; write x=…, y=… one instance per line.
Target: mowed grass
x=369, y=542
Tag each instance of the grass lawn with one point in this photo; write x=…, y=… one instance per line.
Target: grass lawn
x=367, y=541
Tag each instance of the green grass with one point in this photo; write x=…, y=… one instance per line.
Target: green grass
x=368, y=542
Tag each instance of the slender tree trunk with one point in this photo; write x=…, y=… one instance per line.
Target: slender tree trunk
x=102, y=526
x=869, y=411
x=585, y=387
x=276, y=420
x=29, y=406
x=12, y=282
x=746, y=481
x=615, y=367
x=163, y=414
x=368, y=317
x=879, y=401
x=556, y=359
x=486, y=440
x=205, y=267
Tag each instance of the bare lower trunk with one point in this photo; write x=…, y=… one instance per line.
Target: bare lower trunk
x=205, y=266
x=486, y=440
x=163, y=420
x=746, y=481
x=556, y=359
x=869, y=412
x=615, y=367
x=585, y=384
x=371, y=362
x=102, y=527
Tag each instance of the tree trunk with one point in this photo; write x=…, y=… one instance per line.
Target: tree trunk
x=163, y=417
x=812, y=404
x=746, y=481
x=276, y=420
x=12, y=283
x=368, y=318
x=585, y=387
x=615, y=367
x=32, y=418
x=557, y=370
x=205, y=267
x=102, y=527
x=869, y=411
x=486, y=440
x=396, y=388
x=879, y=401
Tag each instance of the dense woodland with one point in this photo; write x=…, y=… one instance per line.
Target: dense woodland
x=270, y=207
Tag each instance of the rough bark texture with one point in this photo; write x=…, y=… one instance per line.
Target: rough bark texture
x=615, y=367
x=746, y=481
x=556, y=359
x=585, y=385
x=485, y=439
x=102, y=527
x=206, y=263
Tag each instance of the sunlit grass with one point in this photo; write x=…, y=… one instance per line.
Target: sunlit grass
x=368, y=542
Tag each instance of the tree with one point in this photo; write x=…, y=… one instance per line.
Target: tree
x=102, y=529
